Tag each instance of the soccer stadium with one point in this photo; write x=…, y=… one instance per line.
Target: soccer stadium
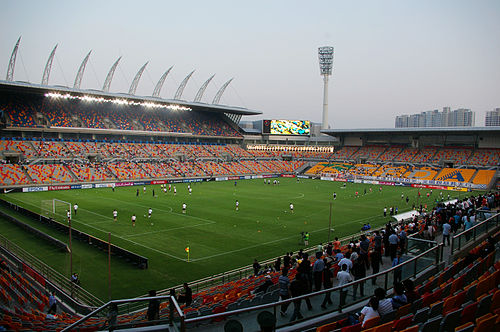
x=127, y=212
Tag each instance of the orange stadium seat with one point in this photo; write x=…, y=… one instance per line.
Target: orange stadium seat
x=455, y=175
x=483, y=176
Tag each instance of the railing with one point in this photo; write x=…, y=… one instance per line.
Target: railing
x=122, y=303
x=247, y=271
x=348, y=292
x=490, y=220
x=61, y=281
x=179, y=320
x=416, y=245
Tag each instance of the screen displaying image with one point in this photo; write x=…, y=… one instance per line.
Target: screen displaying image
x=290, y=127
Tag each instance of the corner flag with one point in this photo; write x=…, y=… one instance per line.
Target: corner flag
x=187, y=250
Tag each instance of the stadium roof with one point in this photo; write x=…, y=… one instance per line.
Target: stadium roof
x=415, y=131
x=251, y=131
x=196, y=106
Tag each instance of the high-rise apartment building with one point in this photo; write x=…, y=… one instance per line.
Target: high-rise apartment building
x=492, y=118
x=457, y=118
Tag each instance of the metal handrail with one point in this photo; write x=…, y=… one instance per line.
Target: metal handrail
x=246, y=271
x=104, y=306
x=49, y=273
x=175, y=308
x=472, y=231
x=333, y=289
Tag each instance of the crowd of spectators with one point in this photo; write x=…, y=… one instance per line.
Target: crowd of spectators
x=353, y=260
x=80, y=160
x=69, y=113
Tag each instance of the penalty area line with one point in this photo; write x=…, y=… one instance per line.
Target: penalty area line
x=251, y=247
x=124, y=239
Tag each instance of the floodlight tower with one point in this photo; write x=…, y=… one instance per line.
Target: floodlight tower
x=325, y=54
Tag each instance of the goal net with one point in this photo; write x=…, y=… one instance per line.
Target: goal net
x=56, y=209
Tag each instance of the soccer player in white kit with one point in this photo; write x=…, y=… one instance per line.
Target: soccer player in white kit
x=133, y=219
x=291, y=207
x=237, y=205
x=183, y=207
x=115, y=215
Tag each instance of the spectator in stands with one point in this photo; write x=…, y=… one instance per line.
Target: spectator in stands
x=489, y=247
x=399, y=299
x=233, y=325
x=376, y=261
x=446, y=233
x=384, y=304
x=153, y=312
x=364, y=246
x=186, y=295
x=75, y=279
x=468, y=224
x=306, y=271
x=368, y=312
x=393, y=244
x=344, y=277
x=277, y=264
x=398, y=271
x=265, y=285
x=411, y=294
x=266, y=320
x=402, y=239
x=284, y=290
x=52, y=303
x=338, y=256
x=319, y=266
x=329, y=249
x=298, y=287
x=286, y=261
x=327, y=282
x=359, y=272
x=347, y=261
x=256, y=267
x=112, y=317
x=429, y=232
x=336, y=244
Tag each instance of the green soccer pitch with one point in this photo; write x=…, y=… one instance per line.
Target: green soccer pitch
x=220, y=238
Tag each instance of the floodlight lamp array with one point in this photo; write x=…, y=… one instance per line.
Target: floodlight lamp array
x=118, y=101
x=325, y=55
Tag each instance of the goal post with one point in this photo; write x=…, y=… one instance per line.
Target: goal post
x=56, y=209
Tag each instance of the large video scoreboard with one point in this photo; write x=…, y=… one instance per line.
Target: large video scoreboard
x=286, y=127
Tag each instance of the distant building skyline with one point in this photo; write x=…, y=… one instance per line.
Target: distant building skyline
x=461, y=117
x=492, y=118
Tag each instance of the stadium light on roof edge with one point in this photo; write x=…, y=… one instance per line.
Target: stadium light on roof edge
x=119, y=101
x=325, y=55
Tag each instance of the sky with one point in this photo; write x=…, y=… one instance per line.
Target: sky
x=391, y=57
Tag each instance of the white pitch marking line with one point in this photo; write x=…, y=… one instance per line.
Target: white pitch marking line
x=250, y=247
x=104, y=231
x=165, y=230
